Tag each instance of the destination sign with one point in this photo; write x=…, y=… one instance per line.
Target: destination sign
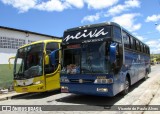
x=92, y=34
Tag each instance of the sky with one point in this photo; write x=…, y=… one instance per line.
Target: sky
x=53, y=17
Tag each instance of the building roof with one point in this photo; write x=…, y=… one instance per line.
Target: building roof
x=26, y=31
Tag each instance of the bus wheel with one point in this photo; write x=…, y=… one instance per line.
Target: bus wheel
x=146, y=76
x=126, y=87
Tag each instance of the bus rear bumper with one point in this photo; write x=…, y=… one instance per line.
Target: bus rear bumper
x=88, y=89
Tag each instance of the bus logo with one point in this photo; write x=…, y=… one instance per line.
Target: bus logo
x=84, y=34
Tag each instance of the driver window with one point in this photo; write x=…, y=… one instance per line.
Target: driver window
x=117, y=55
x=51, y=47
x=50, y=68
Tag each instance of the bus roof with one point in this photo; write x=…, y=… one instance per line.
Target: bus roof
x=91, y=26
x=42, y=41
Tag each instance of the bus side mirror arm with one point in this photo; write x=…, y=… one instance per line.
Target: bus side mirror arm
x=9, y=60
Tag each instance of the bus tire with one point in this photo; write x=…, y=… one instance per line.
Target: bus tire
x=146, y=76
x=126, y=87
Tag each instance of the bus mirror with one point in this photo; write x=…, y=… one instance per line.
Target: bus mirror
x=112, y=53
x=46, y=59
x=9, y=60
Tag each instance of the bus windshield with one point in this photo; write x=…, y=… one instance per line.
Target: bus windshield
x=88, y=58
x=29, y=61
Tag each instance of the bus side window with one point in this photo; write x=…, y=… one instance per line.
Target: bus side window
x=49, y=48
x=126, y=39
x=134, y=44
x=141, y=47
x=137, y=45
x=117, y=34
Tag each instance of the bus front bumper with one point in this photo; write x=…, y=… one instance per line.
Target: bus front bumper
x=31, y=88
x=88, y=89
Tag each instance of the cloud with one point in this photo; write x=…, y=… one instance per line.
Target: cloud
x=52, y=5
x=76, y=3
x=154, y=45
x=21, y=5
x=57, y=5
x=113, y=11
x=153, y=18
x=132, y=3
x=140, y=37
x=128, y=21
x=120, y=8
x=158, y=28
x=100, y=4
x=91, y=18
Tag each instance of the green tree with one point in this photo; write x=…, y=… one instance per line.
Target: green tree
x=158, y=59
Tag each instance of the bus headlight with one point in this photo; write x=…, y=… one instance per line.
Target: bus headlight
x=38, y=82
x=15, y=84
x=103, y=81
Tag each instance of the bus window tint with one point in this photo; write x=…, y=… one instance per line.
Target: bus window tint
x=117, y=34
x=126, y=40
x=137, y=45
x=94, y=58
x=141, y=47
x=131, y=43
x=134, y=44
x=72, y=61
x=49, y=48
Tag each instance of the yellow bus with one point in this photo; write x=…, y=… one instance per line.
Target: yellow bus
x=37, y=66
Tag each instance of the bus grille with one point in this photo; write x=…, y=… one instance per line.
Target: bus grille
x=81, y=81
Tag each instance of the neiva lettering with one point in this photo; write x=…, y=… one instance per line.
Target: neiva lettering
x=85, y=34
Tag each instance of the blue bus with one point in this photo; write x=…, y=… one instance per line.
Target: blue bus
x=102, y=59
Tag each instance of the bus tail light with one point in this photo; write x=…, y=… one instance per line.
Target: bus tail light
x=103, y=81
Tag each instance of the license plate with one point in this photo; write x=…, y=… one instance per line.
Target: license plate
x=64, y=90
x=24, y=89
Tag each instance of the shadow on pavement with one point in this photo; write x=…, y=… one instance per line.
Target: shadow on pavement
x=36, y=95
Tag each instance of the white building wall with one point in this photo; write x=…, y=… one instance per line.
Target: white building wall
x=17, y=39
